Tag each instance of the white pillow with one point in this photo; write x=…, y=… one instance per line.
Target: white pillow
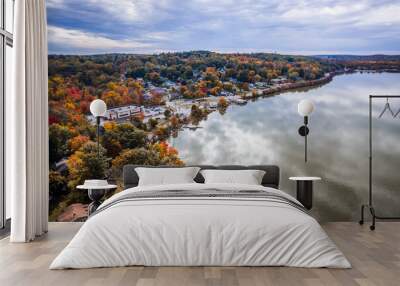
x=166, y=176
x=248, y=177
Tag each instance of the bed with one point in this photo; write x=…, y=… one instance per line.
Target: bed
x=198, y=224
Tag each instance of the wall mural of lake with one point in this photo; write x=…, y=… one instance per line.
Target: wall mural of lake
x=265, y=132
x=218, y=82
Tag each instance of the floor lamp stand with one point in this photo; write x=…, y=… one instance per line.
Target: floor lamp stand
x=98, y=136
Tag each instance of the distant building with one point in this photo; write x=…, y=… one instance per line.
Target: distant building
x=169, y=84
x=261, y=84
x=279, y=80
x=123, y=112
x=153, y=113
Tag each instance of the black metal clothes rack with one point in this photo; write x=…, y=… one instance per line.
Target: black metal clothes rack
x=370, y=201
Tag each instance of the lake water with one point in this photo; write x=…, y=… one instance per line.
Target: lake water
x=265, y=132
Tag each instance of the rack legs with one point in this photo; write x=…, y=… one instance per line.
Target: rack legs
x=374, y=216
x=372, y=211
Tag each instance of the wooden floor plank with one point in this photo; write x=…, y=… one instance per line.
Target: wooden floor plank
x=375, y=257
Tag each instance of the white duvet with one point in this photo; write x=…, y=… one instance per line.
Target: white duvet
x=202, y=232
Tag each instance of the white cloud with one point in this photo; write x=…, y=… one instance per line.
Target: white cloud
x=360, y=13
x=320, y=13
x=134, y=10
x=385, y=15
x=90, y=41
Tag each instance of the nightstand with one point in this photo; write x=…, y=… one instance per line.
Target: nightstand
x=96, y=190
x=304, y=193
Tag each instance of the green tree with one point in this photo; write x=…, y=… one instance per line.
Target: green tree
x=243, y=76
x=137, y=156
x=58, y=142
x=153, y=123
x=157, y=154
x=122, y=136
x=167, y=113
x=57, y=188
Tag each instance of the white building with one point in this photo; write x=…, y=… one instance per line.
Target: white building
x=123, y=112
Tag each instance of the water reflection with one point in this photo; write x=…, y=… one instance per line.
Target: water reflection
x=265, y=132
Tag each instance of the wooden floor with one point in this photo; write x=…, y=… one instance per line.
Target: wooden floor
x=375, y=257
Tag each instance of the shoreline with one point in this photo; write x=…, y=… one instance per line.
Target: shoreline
x=313, y=83
x=298, y=85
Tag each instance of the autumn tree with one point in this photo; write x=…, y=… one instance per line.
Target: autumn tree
x=167, y=154
x=228, y=86
x=74, y=144
x=161, y=132
x=112, y=98
x=86, y=163
x=222, y=102
x=174, y=120
x=156, y=99
x=222, y=105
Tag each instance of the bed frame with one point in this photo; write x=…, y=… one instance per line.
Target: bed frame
x=270, y=179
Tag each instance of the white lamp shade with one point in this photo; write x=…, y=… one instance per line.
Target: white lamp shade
x=305, y=107
x=98, y=107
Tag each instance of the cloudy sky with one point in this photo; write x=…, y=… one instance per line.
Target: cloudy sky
x=283, y=26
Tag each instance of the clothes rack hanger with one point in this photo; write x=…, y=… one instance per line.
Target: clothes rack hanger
x=397, y=113
x=387, y=107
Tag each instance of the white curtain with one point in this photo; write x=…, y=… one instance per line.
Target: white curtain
x=27, y=126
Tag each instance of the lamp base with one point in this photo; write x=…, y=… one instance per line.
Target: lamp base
x=303, y=130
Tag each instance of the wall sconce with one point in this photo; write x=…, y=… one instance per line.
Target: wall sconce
x=305, y=108
x=98, y=108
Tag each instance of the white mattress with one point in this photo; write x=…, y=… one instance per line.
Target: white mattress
x=200, y=232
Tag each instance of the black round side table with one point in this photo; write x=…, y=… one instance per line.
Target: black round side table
x=95, y=193
x=304, y=193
